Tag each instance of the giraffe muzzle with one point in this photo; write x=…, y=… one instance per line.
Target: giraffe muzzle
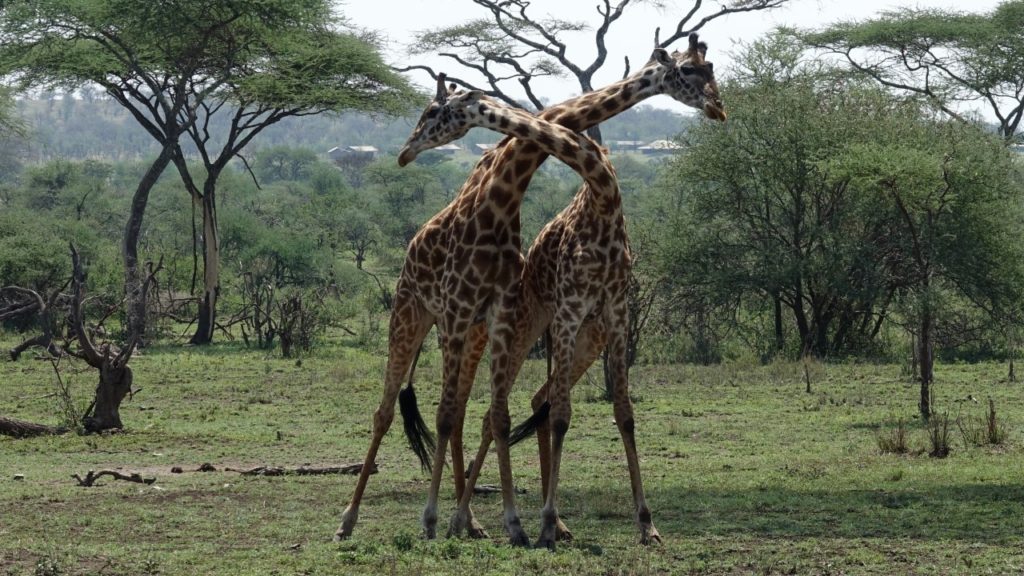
x=713, y=111
x=406, y=156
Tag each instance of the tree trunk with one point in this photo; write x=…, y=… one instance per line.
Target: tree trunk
x=780, y=339
x=114, y=385
x=913, y=357
x=211, y=269
x=802, y=327
x=926, y=361
x=1011, y=374
x=134, y=277
x=609, y=382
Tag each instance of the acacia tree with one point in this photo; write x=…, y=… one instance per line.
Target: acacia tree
x=255, y=61
x=294, y=66
x=765, y=226
x=946, y=188
x=509, y=46
x=943, y=56
x=120, y=46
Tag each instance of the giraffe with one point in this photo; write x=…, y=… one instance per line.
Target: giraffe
x=590, y=230
x=448, y=118
x=420, y=294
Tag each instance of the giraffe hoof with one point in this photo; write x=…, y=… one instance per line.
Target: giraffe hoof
x=477, y=532
x=456, y=526
x=650, y=536
x=348, y=524
x=548, y=543
x=519, y=540
x=562, y=533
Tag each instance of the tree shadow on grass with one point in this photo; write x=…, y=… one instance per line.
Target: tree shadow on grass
x=992, y=514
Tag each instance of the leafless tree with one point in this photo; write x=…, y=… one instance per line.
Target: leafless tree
x=115, y=376
x=508, y=47
x=22, y=304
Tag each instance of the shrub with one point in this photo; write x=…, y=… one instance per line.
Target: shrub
x=938, y=435
x=980, y=431
x=895, y=440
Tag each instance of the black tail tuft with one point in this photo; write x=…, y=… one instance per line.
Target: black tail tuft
x=529, y=426
x=421, y=440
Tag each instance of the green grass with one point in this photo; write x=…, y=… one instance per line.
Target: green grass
x=745, y=473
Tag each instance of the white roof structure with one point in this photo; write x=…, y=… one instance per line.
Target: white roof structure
x=662, y=145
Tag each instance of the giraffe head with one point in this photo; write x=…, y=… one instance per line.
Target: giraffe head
x=444, y=120
x=690, y=78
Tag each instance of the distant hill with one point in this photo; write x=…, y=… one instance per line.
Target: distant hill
x=98, y=128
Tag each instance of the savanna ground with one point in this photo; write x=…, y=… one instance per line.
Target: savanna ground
x=745, y=471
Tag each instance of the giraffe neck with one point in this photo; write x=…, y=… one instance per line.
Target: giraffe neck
x=588, y=110
x=581, y=113
x=535, y=138
x=575, y=114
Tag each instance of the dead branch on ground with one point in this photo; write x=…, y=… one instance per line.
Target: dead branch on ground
x=91, y=477
x=352, y=469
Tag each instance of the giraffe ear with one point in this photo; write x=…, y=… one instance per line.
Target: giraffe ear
x=660, y=55
x=702, y=47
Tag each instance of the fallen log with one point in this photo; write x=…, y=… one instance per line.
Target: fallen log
x=23, y=429
x=91, y=477
x=352, y=469
x=485, y=489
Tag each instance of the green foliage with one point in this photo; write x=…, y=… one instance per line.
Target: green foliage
x=277, y=163
x=944, y=56
x=29, y=256
x=838, y=203
x=34, y=251
x=310, y=66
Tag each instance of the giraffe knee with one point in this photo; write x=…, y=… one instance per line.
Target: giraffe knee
x=445, y=424
x=382, y=418
x=560, y=426
x=500, y=423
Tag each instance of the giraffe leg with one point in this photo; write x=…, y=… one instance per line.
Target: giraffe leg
x=618, y=319
x=462, y=513
x=453, y=345
x=531, y=318
x=563, y=334
x=409, y=326
x=589, y=343
x=464, y=518
x=503, y=374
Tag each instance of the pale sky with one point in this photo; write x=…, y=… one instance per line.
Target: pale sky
x=632, y=35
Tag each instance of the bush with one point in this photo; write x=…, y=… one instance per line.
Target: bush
x=938, y=434
x=895, y=440
x=981, y=431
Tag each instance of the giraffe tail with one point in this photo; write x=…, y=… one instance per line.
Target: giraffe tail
x=529, y=426
x=421, y=440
